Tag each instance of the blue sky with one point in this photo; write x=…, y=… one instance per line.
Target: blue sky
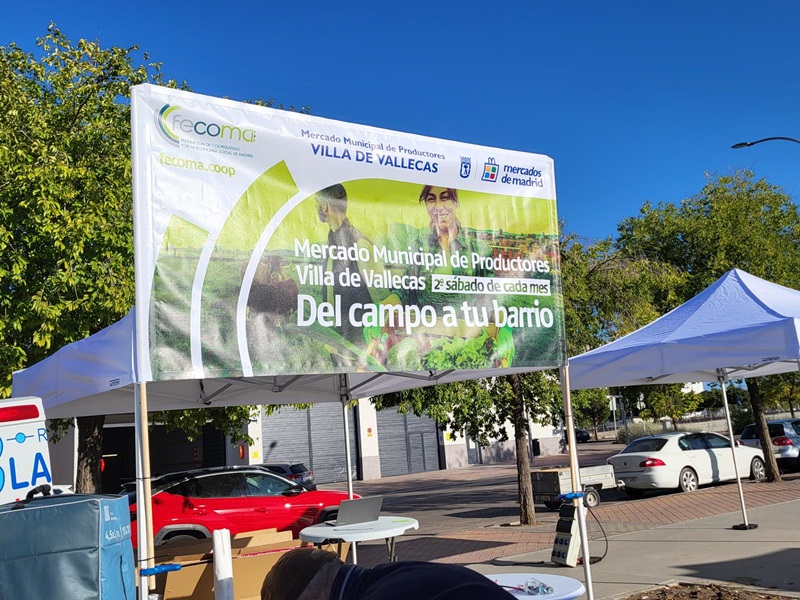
x=635, y=101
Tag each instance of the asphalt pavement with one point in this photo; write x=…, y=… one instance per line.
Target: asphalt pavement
x=470, y=516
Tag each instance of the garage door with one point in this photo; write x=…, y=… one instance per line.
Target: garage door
x=313, y=436
x=407, y=443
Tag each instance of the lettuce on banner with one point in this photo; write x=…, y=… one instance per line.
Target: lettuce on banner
x=271, y=243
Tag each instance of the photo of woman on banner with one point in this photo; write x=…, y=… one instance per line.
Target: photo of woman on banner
x=444, y=236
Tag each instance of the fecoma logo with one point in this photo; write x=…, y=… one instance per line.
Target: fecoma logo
x=171, y=122
x=161, y=123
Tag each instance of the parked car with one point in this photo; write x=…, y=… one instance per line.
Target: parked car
x=683, y=460
x=297, y=472
x=190, y=505
x=785, y=434
x=581, y=435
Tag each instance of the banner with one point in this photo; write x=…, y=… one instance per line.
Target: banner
x=269, y=242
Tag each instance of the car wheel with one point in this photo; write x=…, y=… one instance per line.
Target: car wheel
x=633, y=492
x=758, y=471
x=591, y=498
x=181, y=538
x=687, y=482
x=552, y=504
x=329, y=515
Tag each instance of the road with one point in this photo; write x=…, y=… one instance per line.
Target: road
x=476, y=496
x=471, y=515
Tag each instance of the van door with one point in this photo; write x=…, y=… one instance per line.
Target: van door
x=24, y=452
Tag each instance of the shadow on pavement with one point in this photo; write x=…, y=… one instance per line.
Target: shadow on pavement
x=496, y=512
x=776, y=570
x=372, y=554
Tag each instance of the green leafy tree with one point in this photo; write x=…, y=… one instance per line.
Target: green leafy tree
x=712, y=397
x=780, y=389
x=592, y=407
x=66, y=212
x=66, y=224
x=670, y=401
x=608, y=294
x=232, y=421
x=736, y=221
x=482, y=408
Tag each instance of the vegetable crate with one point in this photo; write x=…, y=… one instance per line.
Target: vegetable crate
x=549, y=483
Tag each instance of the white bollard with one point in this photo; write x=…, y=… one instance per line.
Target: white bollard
x=223, y=565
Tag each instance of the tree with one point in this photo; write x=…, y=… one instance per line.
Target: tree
x=66, y=212
x=66, y=252
x=712, y=398
x=735, y=221
x=670, y=401
x=482, y=408
x=608, y=294
x=782, y=388
x=592, y=406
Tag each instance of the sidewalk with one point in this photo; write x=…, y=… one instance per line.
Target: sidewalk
x=650, y=541
x=704, y=550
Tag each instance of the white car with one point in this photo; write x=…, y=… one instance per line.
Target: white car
x=682, y=460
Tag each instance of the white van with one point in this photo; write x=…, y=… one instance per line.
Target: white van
x=24, y=451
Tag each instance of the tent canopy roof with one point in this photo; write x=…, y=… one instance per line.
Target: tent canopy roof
x=741, y=324
x=96, y=376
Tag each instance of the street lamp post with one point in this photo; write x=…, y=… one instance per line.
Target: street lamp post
x=769, y=139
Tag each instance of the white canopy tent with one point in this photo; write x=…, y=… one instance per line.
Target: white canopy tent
x=243, y=258
x=741, y=326
x=97, y=375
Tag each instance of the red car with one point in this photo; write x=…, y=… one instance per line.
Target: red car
x=190, y=505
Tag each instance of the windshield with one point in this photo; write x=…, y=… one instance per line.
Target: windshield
x=644, y=445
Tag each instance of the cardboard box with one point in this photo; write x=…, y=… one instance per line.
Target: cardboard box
x=199, y=549
x=196, y=580
x=251, y=563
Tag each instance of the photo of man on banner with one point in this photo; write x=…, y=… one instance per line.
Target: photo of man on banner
x=331, y=205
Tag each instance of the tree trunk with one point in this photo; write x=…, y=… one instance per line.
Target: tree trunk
x=791, y=407
x=762, y=430
x=527, y=512
x=90, y=453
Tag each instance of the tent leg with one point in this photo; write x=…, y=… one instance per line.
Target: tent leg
x=347, y=450
x=344, y=396
x=745, y=525
x=574, y=469
x=144, y=517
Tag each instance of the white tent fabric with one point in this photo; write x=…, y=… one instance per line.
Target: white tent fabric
x=740, y=326
x=96, y=375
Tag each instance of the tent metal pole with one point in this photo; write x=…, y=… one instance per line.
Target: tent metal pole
x=722, y=380
x=344, y=397
x=144, y=507
x=141, y=524
x=574, y=469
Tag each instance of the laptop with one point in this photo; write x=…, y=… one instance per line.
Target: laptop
x=358, y=510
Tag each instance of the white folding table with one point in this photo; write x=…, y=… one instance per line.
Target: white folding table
x=385, y=528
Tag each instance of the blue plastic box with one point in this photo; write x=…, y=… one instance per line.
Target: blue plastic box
x=70, y=546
